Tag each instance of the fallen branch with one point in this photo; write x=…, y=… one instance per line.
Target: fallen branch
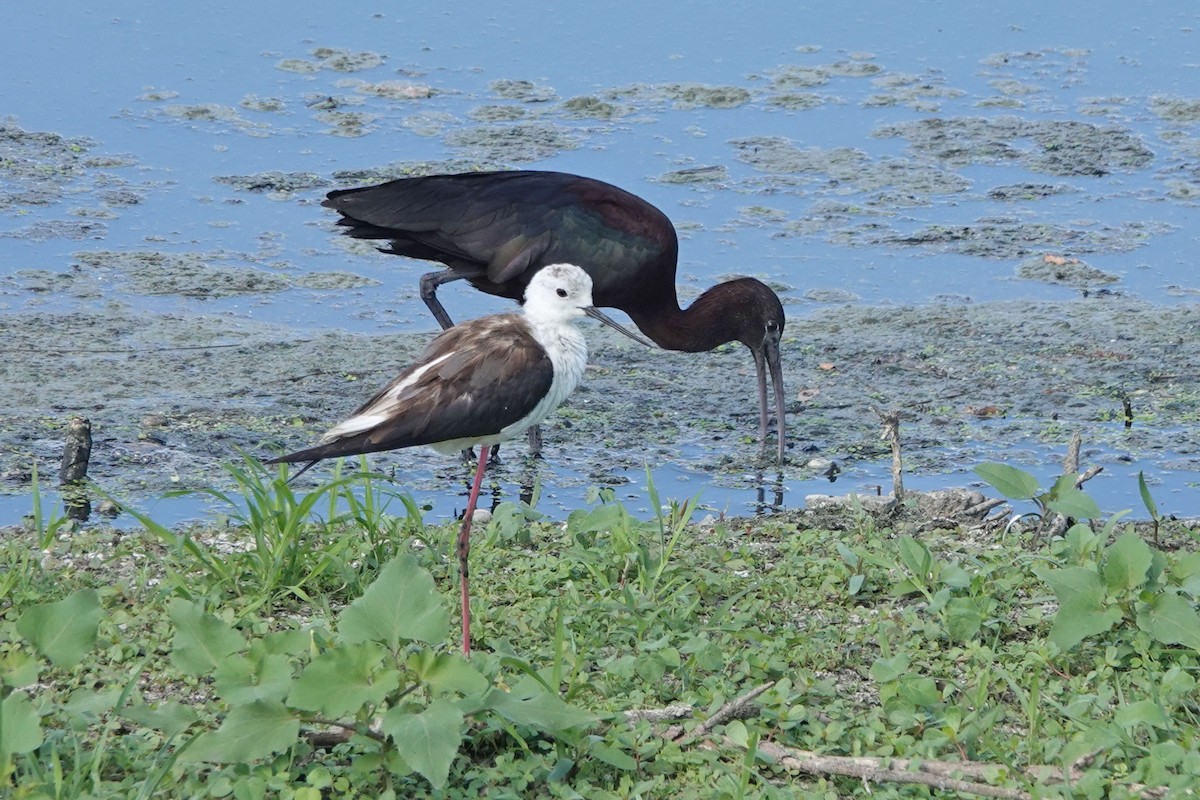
x=739, y=707
x=935, y=774
x=979, y=509
x=669, y=714
x=1090, y=473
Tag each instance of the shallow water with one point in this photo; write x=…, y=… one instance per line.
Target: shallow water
x=789, y=141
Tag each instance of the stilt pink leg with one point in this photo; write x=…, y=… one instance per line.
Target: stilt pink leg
x=464, y=550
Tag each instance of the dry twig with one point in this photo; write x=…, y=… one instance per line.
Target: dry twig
x=891, y=433
x=935, y=774
x=669, y=714
x=1088, y=474
x=734, y=708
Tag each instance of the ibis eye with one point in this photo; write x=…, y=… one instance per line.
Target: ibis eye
x=772, y=325
x=562, y=292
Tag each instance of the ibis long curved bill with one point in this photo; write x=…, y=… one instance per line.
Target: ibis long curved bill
x=768, y=360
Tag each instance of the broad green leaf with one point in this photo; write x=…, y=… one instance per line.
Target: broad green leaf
x=1110, y=524
x=1074, y=585
x=530, y=704
x=20, y=727
x=249, y=733
x=916, y=558
x=1077, y=621
x=1081, y=611
x=340, y=681
x=1171, y=619
x=1147, y=500
x=954, y=576
x=401, y=605
x=1096, y=738
x=593, y=520
x=618, y=758
x=963, y=619
x=291, y=642
x=1083, y=541
x=201, y=640
x=1126, y=561
x=169, y=717
x=428, y=741
x=1072, y=502
x=63, y=632
x=1168, y=754
x=670, y=657
x=18, y=668
x=562, y=769
x=939, y=600
x=886, y=670
x=1186, y=570
x=1142, y=712
x=736, y=731
x=1176, y=685
x=90, y=703
x=922, y=692
x=447, y=673
x=1013, y=483
x=1158, y=565
x=241, y=680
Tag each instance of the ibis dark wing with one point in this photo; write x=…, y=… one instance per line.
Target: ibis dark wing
x=497, y=228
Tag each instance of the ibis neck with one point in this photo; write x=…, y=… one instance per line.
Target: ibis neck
x=695, y=329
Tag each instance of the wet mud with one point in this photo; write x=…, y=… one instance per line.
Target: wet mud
x=172, y=397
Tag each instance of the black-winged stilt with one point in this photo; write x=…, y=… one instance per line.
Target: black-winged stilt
x=497, y=229
x=478, y=383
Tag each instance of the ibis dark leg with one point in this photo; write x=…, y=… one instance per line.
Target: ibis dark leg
x=430, y=281
x=464, y=550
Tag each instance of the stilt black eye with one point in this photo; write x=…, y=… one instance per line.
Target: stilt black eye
x=562, y=292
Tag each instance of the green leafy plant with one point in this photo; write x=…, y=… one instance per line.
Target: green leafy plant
x=46, y=527
x=941, y=654
x=959, y=599
x=1063, y=496
x=619, y=549
x=1132, y=585
x=1148, y=502
x=290, y=546
x=380, y=663
x=62, y=632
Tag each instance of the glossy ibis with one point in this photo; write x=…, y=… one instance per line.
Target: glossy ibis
x=497, y=229
x=478, y=383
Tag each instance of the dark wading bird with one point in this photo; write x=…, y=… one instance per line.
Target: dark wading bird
x=497, y=229
x=479, y=383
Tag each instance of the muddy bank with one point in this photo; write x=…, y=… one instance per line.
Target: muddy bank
x=173, y=396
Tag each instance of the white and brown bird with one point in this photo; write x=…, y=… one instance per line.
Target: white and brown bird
x=478, y=383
